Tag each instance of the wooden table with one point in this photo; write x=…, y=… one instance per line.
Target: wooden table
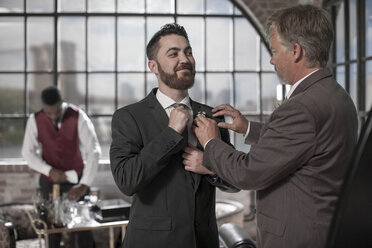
x=93, y=225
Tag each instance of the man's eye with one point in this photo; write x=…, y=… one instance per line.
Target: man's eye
x=173, y=54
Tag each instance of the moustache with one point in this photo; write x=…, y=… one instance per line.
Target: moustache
x=184, y=66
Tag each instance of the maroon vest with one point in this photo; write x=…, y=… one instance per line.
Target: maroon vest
x=60, y=147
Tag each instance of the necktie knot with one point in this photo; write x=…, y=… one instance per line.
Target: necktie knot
x=177, y=104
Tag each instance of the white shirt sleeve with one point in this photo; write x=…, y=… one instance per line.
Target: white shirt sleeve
x=31, y=149
x=90, y=146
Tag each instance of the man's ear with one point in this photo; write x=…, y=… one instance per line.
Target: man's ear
x=298, y=52
x=153, y=66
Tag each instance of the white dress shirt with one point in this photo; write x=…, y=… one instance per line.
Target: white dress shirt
x=166, y=102
x=31, y=149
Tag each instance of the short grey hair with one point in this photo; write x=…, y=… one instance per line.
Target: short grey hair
x=307, y=25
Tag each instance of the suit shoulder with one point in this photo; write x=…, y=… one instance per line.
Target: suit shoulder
x=133, y=107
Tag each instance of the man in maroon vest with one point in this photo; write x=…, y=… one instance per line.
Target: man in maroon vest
x=52, y=144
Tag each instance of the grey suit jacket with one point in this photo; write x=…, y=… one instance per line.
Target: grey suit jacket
x=171, y=207
x=296, y=162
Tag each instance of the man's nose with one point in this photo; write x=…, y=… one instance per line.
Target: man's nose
x=272, y=61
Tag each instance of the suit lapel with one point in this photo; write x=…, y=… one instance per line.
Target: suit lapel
x=156, y=110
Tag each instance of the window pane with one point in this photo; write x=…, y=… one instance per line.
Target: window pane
x=154, y=24
x=131, y=88
x=35, y=84
x=11, y=43
x=11, y=5
x=101, y=6
x=369, y=85
x=71, y=6
x=101, y=94
x=247, y=92
x=237, y=11
x=11, y=133
x=190, y=7
x=353, y=29
x=265, y=59
x=368, y=28
x=195, y=29
x=152, y=82
x=11, y=94
x=269, y=85
x=218, y=88
x=40, y=48
x=246, y=45
x=102, y=125
x=340, y=75
x=71, y=43
x=101, y=43
x=131, y=6
x=160, y=6
x=353, y=83
x=72, y=87
x=40, y=6
x=196, y=92
x=340, y=34
x=131, y=44
x=219, y=7
x=219, y=50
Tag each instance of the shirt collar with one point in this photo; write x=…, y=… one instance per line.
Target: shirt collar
x=297, y=84
x=166, y=102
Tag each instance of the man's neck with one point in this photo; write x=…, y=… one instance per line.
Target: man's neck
x=301, y=73
x=176, y=95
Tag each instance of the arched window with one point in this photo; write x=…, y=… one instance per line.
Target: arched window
x=94, y=51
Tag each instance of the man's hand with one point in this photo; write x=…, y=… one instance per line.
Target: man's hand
x=239, y=124
x=178, y=119
x=193, y=159
x=76, y=192
x=205, y=129
x=57, y=176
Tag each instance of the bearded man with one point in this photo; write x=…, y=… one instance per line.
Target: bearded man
x=152, y=143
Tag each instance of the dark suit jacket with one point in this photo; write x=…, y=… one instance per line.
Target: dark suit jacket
x=169, y=209
x=296, y=162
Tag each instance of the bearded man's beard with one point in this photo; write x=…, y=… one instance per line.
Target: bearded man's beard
x=173, y=81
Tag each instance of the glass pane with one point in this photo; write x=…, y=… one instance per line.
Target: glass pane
x=197, y=91
x=154, y=24
x=71, y=6
x=101, y=6
x=101, y=94
x=11, y=133
x=40, y=43
x=340, y=34
x=72, y=87
x=246, y=45
x=219, y=7
x=101, y=43
x=160, y=6
x=340, y=75
x=369, y=85
x=102, y=125
x=40, y=6
x=219, y=54
x=247, y=92
x=152, y=82
x=131, y=6
x=368, y=28
x=195, y=29
x=11, y=94
x=353, y=29
x=265, y=59
x=269, y=85
x=35, y=84
x=131, y=44
x=12, y=43
x=71, y=43
x=237, y=11
x=218, y=88
x=11, y=5
x=190, y=7
x=353, y=89
x=131, y=88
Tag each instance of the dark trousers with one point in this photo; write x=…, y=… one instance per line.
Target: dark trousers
x=83, y=239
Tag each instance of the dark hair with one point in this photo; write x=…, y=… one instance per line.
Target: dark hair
x=168, y=29
x=307, y=25
x=51, y=95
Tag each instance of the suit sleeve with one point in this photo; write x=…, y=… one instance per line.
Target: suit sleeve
x=134, y=165
x=286, y=143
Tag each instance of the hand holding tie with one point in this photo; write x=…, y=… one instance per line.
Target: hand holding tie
x=179, y=117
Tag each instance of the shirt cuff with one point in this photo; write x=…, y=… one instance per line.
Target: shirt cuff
x=248, y=128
